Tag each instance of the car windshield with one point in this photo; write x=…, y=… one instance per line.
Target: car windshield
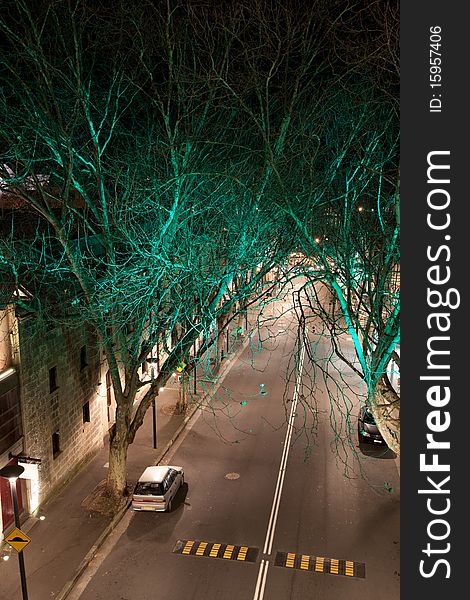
x=144, y=488
x=368, y=418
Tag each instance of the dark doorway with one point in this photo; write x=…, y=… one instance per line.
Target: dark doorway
x=8, y=516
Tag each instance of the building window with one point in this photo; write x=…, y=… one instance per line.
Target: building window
x=10, y=419
x=83, y=360
x=55, y=444
x=86, y=412
x=5, y=339
x=53, y=379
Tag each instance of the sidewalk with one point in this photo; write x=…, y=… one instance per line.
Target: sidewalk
x=64, y=543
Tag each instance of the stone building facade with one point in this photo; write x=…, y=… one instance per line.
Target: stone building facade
x=63, y=409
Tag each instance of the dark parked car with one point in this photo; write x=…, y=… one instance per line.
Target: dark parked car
x=367, y=429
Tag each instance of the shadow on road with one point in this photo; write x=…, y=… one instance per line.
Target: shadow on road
x=145, y=525
x=377, y=451
x=180, y=498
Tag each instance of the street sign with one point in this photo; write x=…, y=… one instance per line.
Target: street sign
x=181, y=366
x=17, y=539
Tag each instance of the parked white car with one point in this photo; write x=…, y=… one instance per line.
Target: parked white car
x=156, y=488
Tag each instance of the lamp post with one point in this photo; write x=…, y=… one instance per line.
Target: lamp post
x=12, y=473
x=154, y=407
x=195, y=366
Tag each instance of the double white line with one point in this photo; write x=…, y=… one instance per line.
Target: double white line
x=261, y=581
x=268, y=543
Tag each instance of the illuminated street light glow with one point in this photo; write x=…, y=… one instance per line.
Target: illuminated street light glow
x=6, y=373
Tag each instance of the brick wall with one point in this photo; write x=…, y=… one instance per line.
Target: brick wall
x=48, y=411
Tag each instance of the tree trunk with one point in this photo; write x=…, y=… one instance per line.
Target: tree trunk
x=117, y=481
x=220, y=340
x=182, y=403
x=116, y=484
x=241, y=324
x=386, y=411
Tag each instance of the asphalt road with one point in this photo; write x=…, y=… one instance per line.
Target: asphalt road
x=279, y=487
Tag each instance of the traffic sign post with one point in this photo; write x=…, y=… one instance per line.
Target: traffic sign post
x=17, y=539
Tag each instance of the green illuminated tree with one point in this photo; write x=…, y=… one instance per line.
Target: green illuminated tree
x=158, y=159
x=126, y=206
x=348, y=227
x=323, y=108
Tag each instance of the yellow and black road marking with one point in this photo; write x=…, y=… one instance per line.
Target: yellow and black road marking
x=216, y=550
x=320, y=564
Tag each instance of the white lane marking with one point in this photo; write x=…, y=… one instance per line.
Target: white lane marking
x=278, y=490
x=261, y=581
x=263, y=569
x=282, y=469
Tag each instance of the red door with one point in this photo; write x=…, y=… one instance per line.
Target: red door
x=8, y=516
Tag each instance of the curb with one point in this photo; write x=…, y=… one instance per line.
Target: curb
x=397, y=464
x=68, y=587
x=65, y=591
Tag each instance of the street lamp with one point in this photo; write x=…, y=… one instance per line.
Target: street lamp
x=154, y=408
x=12, y=473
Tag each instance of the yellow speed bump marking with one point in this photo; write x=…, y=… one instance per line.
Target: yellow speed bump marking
x=290, y=560
x=202, y=547
x=334, y=566
x=216, y=550
x=320, y=564
x=349, y=568
x=188, y=546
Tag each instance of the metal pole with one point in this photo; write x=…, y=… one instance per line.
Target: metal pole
x=154, y=402
x=154, y=408
x=20, y=554
x=194, y=368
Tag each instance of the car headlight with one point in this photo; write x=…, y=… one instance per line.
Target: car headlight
x=365, y=433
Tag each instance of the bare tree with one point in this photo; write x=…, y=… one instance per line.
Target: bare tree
x=352, y=241
x=323, y=109
x=124, y=212
x=158, y=161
